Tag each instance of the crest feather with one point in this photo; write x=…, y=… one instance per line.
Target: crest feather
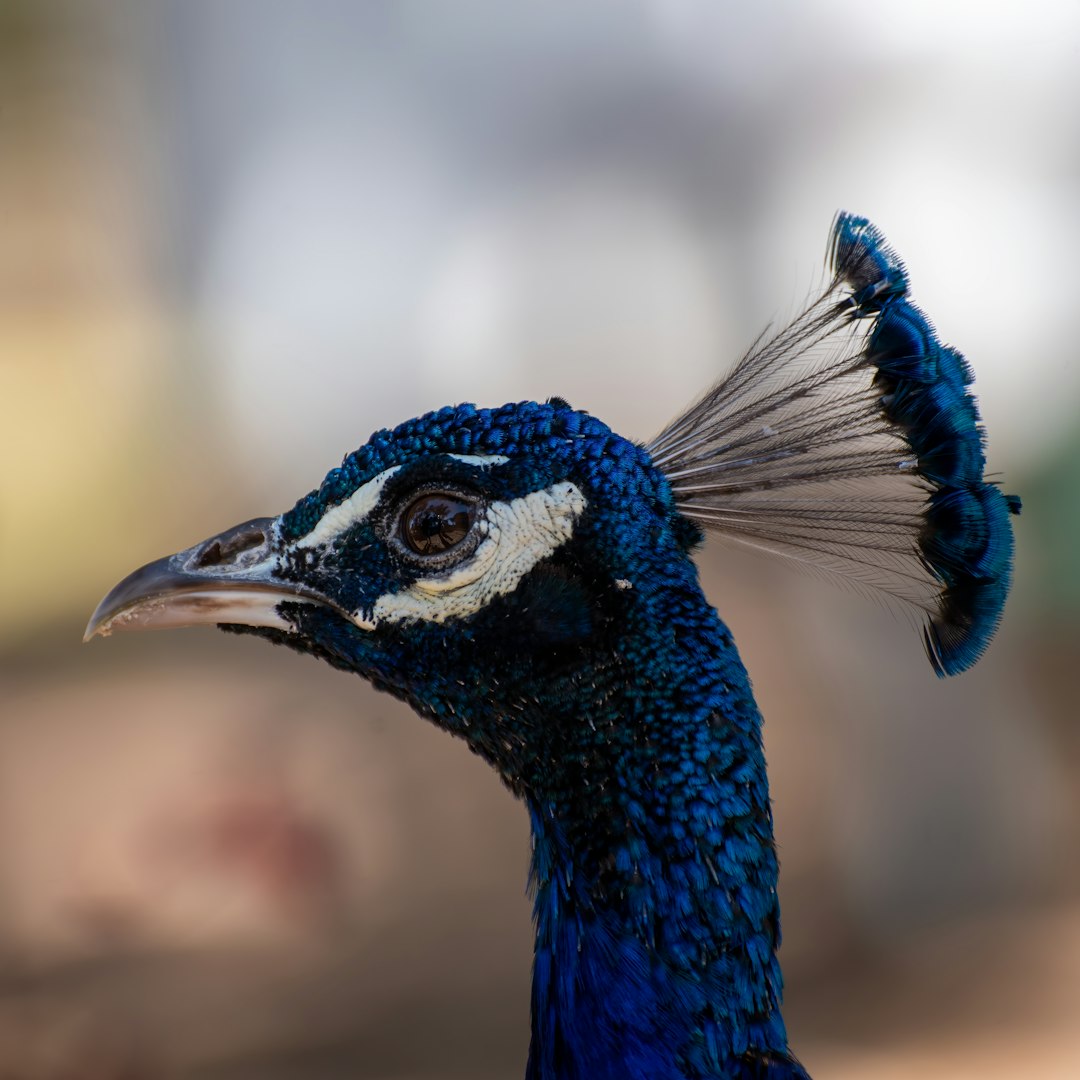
x=849, y=441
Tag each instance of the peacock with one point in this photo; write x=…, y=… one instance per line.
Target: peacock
x=523, y=577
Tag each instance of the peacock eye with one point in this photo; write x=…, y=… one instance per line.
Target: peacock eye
x=436, y=522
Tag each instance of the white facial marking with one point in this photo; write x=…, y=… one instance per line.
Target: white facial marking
x=484, y=460
x=346, y=514
x=365, y=498
x=516, y=536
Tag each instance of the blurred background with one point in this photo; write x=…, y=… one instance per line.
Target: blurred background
x=237, y=237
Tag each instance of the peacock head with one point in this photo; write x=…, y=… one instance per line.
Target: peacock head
x=484, y=565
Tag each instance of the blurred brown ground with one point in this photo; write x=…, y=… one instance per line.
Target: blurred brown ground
x=220, y=861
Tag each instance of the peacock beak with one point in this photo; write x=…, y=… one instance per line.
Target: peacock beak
x=233, y=577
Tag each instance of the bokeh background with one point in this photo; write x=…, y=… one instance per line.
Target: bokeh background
x=237, y=237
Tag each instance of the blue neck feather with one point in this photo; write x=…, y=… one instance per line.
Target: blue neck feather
x=656, y=911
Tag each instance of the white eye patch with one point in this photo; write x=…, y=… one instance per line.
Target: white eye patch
x=516, y=535
x=358, y=506
x=345, y=515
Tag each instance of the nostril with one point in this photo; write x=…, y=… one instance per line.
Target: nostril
x=223, y=550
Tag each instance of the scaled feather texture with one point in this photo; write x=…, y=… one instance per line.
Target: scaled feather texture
x=523, y=578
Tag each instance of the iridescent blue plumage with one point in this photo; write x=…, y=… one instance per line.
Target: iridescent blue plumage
x=967, y=539
x=522, y=576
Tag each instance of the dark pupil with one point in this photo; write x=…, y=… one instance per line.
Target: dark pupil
x=435, y=523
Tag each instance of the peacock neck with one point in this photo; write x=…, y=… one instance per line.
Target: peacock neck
x=654, y=871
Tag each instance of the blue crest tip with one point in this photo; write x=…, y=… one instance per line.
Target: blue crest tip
x=860, y=257
x=967, y=540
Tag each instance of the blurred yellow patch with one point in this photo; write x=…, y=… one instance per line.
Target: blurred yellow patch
x=75, y=455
